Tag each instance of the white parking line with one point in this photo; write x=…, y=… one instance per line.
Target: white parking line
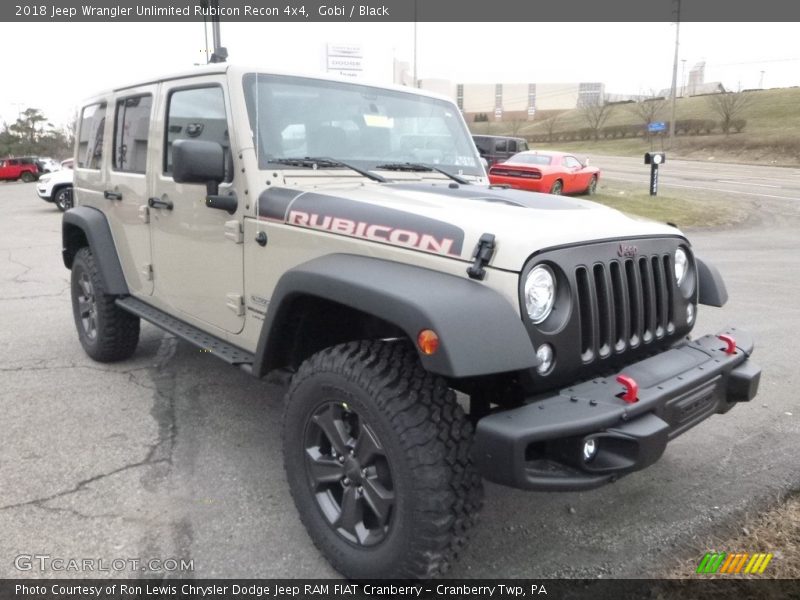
x=749, y=183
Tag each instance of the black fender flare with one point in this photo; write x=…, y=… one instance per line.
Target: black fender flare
x=86, y=225
x=712, y=290
x=480, y=331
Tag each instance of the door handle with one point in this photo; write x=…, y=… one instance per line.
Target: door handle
x=159, y=203
x=109, y=195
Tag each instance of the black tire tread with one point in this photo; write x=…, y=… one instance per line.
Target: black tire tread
x=436, y=437
x=117, y=329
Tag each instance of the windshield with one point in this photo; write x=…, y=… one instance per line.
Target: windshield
x=295, y=117
x=531, y=159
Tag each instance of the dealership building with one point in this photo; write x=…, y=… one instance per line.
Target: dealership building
x=515, y=101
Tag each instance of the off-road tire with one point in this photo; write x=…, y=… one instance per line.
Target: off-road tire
x=27, y=177
x=557, y=188
x=62, y=198
x=116, y=332
x=426, y=438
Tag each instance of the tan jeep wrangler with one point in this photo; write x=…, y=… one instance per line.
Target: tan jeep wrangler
x=345, y=234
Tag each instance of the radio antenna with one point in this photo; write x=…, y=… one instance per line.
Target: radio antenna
x=220, y=54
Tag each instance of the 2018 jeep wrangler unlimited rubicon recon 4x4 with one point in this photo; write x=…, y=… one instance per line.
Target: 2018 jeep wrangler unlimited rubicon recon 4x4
x=345, y=233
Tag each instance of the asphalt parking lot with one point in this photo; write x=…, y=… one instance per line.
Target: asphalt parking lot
x=175, y=455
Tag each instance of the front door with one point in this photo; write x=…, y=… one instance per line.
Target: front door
x=197, y=251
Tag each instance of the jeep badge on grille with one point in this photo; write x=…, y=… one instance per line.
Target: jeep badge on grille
x=627, y=250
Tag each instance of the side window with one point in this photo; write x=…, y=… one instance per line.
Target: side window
x=571, y=162
x=523, y=146
x=196, y=114
x=131, y=128
x=500, y=146
x=90, y=140
x=512, y=145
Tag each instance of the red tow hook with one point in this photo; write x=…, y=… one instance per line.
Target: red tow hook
x=631, y=394
x=730, y=343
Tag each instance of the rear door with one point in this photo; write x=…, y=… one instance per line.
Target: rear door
x=198, y=253
x=127, y=187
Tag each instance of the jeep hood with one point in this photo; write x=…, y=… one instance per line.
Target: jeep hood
x=449, y=219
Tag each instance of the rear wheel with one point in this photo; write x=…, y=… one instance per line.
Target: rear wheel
x=557, y=187
x=63, y=198
x=27, y=177
x=592, y=187
x=106, y=332
x=376, y=452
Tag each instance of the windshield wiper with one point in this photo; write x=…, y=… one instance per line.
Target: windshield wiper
x=312, y=162
x=409, y=166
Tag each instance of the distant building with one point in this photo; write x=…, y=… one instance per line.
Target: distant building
x=696, y=84
x=516, y=101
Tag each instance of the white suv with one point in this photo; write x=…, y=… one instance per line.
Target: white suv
x=56, y=186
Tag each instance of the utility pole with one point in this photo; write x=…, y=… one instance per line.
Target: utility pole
x=761, y=80
x=675, y=74
x=416, y=81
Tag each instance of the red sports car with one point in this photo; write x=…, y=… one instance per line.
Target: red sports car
x=549, y=172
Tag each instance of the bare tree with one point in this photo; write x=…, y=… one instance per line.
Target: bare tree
x=729, y=106
x=550, y=126
x=515, y=124
x=649, y=109
x=596, y=116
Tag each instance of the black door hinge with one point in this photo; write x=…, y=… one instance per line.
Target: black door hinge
x=484, y=250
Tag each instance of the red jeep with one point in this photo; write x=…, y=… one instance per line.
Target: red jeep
x=12, y=169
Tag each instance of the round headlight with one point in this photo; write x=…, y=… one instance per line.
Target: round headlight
x=681, y=265
x=540, y=293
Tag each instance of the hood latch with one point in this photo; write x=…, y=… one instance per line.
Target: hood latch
x=484, y=250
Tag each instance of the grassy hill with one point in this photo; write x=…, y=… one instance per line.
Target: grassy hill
x=771, y=135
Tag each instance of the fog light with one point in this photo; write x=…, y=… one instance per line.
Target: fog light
x=689, y=313
x=545, y=356
x=589, y=449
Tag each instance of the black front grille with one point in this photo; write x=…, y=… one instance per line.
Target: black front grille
x=624, y=304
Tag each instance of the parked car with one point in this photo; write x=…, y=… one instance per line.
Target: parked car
x=549, y=172
x=12, y=169
x=497, y=148
x=56, y=187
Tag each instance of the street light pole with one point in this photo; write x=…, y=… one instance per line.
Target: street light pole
x=675, y=75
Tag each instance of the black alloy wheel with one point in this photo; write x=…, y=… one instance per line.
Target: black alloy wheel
x=349, y=474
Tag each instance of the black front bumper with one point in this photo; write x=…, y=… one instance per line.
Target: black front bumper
x=540, y=446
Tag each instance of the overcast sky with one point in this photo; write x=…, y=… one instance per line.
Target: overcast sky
x=57, y=64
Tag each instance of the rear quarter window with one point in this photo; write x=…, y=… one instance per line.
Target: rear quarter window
x=90, y=136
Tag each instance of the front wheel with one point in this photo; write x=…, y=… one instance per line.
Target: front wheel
x=557, y=188
x=376, y=452
x=63, y=198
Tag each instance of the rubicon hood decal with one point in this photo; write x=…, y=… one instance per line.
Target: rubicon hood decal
x=359, y=219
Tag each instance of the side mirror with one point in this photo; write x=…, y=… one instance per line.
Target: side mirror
x=198, y=161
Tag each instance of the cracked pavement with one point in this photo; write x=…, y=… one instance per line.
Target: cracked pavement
x=174, y=454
